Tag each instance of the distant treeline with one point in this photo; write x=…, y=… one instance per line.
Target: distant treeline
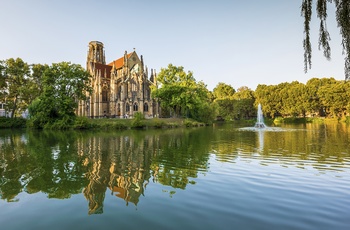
x=324, y=97
x=49, y=93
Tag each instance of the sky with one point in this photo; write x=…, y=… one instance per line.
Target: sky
x=240, y=43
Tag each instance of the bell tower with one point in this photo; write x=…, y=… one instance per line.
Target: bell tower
x=96, y=53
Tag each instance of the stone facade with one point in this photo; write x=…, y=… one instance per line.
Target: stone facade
x=120, y=88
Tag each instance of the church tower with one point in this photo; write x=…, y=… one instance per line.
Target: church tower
x=96, y=53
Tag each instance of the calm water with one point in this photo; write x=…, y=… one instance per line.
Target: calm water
x=220, y=177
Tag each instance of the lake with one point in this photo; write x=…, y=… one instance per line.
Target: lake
x=217, y=177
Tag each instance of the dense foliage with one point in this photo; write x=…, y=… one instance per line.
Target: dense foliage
x=63, y=85
x=181, y=95
x=324, y=97
x=16, y=122
x=15, y=85
x=234, y=105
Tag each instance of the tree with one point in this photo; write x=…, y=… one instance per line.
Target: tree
x=223, y=98
x=14, y=80
x=2, y=76
x=63, y=85
x=223, y=91
x=181, y=95
x=37, y=72
x=343, y=21
x=314, y=103
x=333, y=97
x=294, y=99
x=244, y=103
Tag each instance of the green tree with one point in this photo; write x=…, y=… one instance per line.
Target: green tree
x=244, y=103
x=35, y=86
x=181, y=94
x=315, y=103
x=293, y=99
x=342, y=17
x=270, y=99
x=14, y=79
x=63, y=85
x=2, y=76
x=223, y=98
x=223, y=91
x=333, y=97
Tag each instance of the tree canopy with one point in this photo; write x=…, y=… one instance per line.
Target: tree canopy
x=181, y=95
x=63, y=84
x=14, y=80
x=343, y=21
x=223, y=91
x=324, y=97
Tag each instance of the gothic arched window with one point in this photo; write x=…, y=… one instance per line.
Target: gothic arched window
x=145, y=107
x=104, y=95
x=127, y=107
x=119, y=93
x=136, y=108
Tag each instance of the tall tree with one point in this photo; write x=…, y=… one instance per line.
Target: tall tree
x=15, y=76
x=180, y=93
x=223, y=99
x=63, y=85
x=244, y=103
x=343, y=20
x=334, y=98
x=223, y=91
x=2, y=76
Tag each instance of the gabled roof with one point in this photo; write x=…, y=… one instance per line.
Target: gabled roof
x=105, y=69
x=119, y=62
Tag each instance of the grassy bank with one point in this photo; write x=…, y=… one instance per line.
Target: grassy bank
x=105, y=123
x=139, y=123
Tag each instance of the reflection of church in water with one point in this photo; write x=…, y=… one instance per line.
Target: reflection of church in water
x=121, y=165
x=120, y=88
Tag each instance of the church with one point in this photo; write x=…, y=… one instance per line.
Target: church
x=120, y=88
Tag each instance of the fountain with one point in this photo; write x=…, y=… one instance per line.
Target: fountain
x=260, y=119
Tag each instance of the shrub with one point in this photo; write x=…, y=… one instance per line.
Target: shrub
x=82, y=123
x=16, y=122
x=137, y=120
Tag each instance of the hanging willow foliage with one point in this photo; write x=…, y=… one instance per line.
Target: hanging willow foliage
x=343, y=21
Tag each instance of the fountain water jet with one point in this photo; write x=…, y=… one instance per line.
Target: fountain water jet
x=260, y=119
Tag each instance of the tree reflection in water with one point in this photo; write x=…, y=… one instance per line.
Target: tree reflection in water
x=60, y=164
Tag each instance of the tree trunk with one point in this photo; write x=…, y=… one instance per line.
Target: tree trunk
x=14, y=108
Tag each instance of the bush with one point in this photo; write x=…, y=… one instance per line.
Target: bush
x=137, y=120
x=157, y=123
x=82, y=123
x=16, y=122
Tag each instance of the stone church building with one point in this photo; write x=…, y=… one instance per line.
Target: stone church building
x=120, y=88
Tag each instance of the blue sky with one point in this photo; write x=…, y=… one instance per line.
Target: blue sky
x=241, y=43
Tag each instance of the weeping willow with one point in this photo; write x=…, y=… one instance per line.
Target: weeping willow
x=343, y=21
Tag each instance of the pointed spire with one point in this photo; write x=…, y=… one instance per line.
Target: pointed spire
x=125, y=58
x=155, y=77
x=151, y=77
